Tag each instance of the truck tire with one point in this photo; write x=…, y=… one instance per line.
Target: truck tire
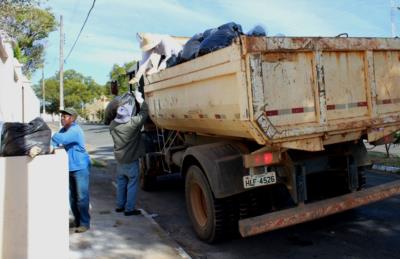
x=148, y=182
x=205, y=212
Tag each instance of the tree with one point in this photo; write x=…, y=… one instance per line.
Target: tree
x=78, y=90
x=29, y=25
x=119, y=73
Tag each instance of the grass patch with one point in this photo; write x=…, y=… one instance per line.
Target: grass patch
x=98, y=163
x=381, y=158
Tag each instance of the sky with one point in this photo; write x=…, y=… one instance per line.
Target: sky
x=109, y=36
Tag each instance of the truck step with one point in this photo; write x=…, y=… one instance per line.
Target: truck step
x=308, y=212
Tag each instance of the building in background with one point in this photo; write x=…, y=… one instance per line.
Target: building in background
x=95, y=110
x=18, y=102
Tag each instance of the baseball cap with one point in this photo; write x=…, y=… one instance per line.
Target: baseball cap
x=70, y=111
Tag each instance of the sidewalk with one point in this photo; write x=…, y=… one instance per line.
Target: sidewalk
x=113, y=235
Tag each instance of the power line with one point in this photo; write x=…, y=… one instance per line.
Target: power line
x=79, y=34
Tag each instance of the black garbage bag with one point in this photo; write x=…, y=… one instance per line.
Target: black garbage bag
x=191, y=48
x=208, y=32
x=17, y=138
x=231, y=26
x=257, y=31
x=111, y=109
x=174, y=60
x=220, y=38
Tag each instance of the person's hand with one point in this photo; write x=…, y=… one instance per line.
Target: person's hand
x=138, y=96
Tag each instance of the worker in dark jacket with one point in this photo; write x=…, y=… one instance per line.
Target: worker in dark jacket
x=72, y=139
x=128, y=147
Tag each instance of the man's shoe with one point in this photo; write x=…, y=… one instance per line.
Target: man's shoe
x=119, y=210
x=132, y=212
x=81, y=229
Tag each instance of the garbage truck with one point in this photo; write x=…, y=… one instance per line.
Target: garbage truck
x=270, y=131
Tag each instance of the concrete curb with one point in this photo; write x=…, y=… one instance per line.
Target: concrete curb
x=164, y=234
x=385, y=168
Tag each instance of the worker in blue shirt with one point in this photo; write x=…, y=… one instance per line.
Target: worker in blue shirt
x=72, y=139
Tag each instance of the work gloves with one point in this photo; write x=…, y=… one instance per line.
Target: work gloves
x=138, y=96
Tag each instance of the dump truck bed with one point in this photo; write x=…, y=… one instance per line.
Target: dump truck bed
x=290, y=92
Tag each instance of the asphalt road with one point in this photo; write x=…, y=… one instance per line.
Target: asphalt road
x=372, y=231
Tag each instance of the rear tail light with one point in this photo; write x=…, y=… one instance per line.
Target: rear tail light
x=261, y=159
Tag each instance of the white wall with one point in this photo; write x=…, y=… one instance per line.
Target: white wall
x=18, y=102
x=34, y=206
x=32, y=103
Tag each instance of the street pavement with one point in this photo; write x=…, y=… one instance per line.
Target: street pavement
x=113, y=235
x=368, y=232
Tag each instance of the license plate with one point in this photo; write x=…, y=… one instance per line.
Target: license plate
x=250, y=181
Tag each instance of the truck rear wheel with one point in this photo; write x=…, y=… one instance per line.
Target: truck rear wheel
x=205, y=212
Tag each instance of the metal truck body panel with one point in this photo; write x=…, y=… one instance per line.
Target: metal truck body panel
x=300, y=93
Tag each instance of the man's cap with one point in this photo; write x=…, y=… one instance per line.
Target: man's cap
x=148, y=41
x=124, y=113
x=70, y=111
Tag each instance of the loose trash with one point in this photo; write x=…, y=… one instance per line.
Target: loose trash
x=20, y=139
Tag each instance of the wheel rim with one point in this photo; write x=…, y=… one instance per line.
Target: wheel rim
x=199, y=205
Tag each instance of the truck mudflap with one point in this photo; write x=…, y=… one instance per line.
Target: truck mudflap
x=307, y=212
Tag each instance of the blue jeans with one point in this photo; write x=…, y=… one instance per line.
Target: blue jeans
x=127, y=185
x=79, y=196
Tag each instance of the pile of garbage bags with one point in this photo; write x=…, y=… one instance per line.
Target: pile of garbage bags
x=111, y=109
x=17, y=139
x=212, y=40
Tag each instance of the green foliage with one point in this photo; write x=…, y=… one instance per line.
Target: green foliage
x=18, y=54
x=29, y=25
x=119, y=73
x=78, y=90
x=397, y=137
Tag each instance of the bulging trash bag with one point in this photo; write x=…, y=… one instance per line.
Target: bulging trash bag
x=221, y=38
x=174, y=60
x=111, y=109
x=257, y=31
x=191, y=48
x=17, y=139
x=231, y=26
x=208, y=32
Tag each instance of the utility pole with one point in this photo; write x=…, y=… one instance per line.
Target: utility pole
x=61, y=64
x=393, y=9
x=43, y=93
